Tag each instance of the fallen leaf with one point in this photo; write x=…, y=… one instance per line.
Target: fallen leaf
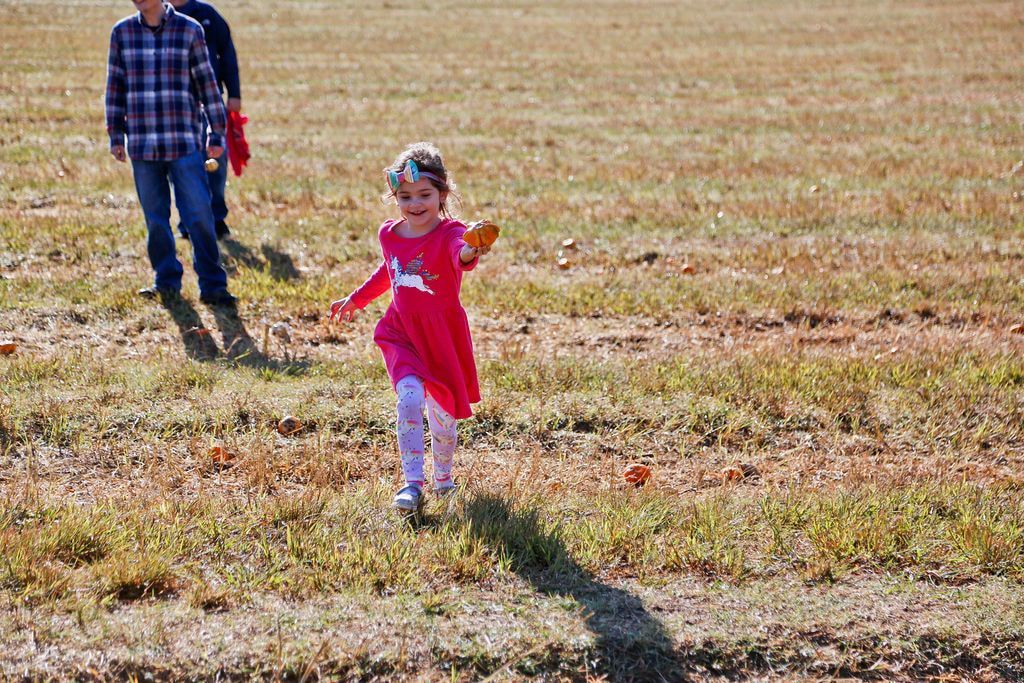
x=731, y=473
x=221, y=455
x=7, y=348
x=637, y=474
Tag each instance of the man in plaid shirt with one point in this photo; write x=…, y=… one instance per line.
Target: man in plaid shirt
x=157, y=71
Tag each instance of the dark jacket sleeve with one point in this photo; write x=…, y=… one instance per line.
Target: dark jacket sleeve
x=228, y=57
x=206, y=85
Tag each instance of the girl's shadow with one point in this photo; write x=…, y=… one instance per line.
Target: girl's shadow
x=631, y=644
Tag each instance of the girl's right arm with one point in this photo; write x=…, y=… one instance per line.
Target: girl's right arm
x=375, y=285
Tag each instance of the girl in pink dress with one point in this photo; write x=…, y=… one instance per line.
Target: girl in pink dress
x=424, y=334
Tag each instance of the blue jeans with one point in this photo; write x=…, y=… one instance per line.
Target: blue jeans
x=218, y=180
x=153, y=180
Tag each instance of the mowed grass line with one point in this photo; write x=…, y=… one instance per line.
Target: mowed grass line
x=952, y=404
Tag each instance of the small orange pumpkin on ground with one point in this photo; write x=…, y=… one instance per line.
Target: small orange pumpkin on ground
x=481, y=234
x=732, y=473
x=637, y=474
x=220, y=455
x=288, y=425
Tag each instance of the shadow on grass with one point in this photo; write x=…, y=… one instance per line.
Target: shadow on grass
x=236, y=341
x=279, y=264
x=240, y=348
x=631, y=644
x=197, y=340
x=238, y=344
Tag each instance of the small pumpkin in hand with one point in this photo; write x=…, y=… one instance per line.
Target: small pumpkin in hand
x=481, y=234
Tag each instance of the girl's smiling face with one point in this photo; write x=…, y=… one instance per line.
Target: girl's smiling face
x=420, y=203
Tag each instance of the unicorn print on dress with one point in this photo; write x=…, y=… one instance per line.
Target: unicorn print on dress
x=411, y=275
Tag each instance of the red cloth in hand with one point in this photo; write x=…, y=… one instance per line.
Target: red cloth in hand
x=238, y=147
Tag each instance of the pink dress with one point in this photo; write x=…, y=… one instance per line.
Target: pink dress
x=425, y=332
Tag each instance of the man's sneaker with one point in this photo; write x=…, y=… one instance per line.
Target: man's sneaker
x=408, y=499
x=163, y=293
x=221, y=298
x=220, y=227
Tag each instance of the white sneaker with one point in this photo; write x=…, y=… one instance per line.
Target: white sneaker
x=408, y=498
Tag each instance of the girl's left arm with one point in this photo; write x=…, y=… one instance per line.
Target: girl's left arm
x=464, y=257
x=375, y=285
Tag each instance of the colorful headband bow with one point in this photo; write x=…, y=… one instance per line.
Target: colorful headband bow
x=410, y=174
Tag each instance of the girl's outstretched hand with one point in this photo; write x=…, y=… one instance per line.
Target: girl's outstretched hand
x=469, y=253
x=344, y=310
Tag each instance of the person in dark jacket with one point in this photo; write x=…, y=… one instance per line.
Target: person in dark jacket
x=225, y=67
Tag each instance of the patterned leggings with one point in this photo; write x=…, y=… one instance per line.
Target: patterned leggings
x=409, y=427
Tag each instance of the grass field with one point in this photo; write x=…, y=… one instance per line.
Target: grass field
x=799, y=230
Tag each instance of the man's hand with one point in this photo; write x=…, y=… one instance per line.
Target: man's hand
x=214, y=152
x=118, y=153
x=235, y=104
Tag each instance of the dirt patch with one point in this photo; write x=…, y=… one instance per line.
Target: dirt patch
x=695, y=334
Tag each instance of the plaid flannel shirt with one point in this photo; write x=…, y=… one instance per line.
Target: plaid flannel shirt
x=155, y=83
